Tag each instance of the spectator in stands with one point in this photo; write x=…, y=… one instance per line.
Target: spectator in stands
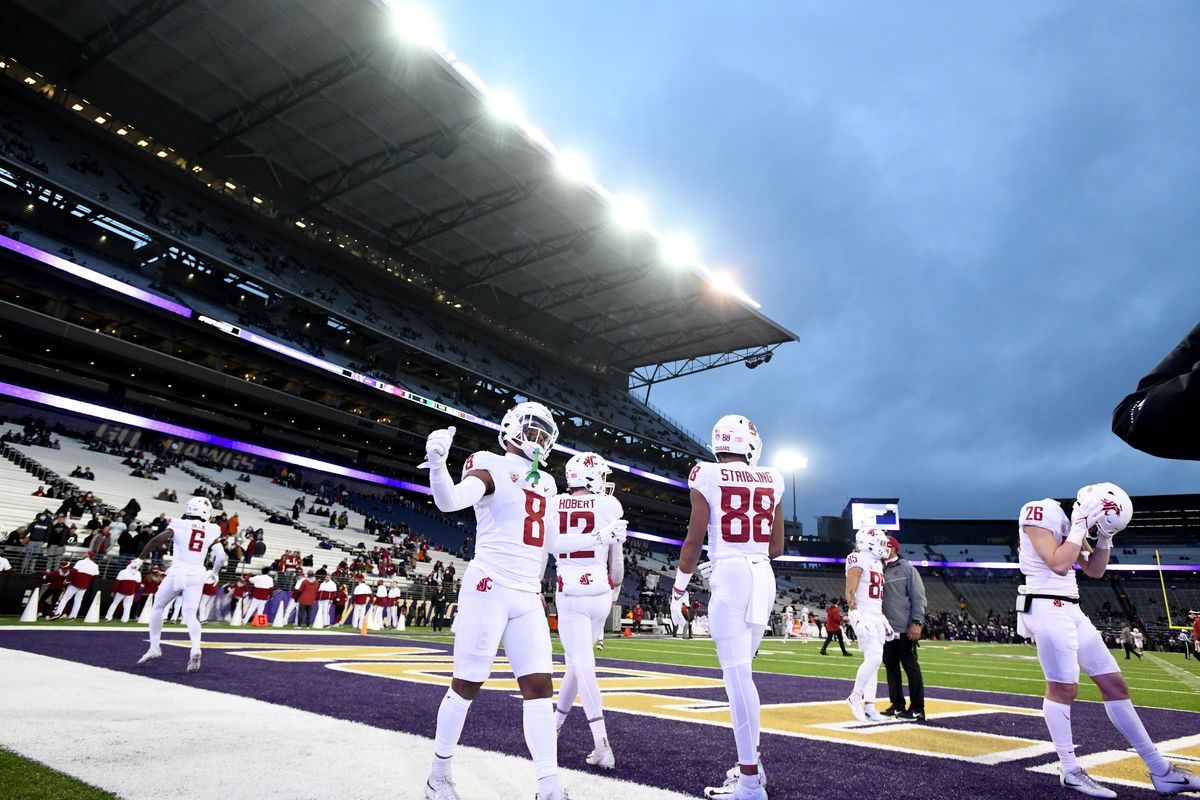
x=306, y=596
x=1159, y=418
x=102, y=540
x=127, y=546
x=833, y=629
x=5, y=566
x=129, y=513
x=904, y=607
x=36, y=534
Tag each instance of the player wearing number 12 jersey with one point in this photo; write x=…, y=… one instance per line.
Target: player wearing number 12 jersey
x=864, y=595
x=500, y=596
x=735, y=504
x=193, y=537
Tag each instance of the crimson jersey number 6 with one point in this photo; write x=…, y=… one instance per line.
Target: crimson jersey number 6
x=754, y=512
x=535, y=519
x=196, y=542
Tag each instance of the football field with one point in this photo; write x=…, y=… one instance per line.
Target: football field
x=354, y=714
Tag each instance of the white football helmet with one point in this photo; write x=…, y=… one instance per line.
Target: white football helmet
x=873, y=541
x=200, y=507
x=530, y=427
x=1118, y=508
x=589, y=471
x=789, y=610
x=735, y=434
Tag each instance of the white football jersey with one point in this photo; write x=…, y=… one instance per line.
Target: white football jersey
x=192, y=539
x=741, y=506
x=585, y=572
x=510, y=523
x=1039, y=578
x=869, y=592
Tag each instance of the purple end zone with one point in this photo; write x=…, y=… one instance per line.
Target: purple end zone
x=672, y=754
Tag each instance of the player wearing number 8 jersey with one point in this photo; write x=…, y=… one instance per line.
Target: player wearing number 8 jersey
x=500, y=597
x=735, y=504
x=193, y=537
x=864, y=595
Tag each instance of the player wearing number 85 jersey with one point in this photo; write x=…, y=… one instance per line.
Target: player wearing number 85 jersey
x=193, y=537
x=864, y=595
x=735, y=504
x=500, y=588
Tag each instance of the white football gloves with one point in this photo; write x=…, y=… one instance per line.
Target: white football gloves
x=854, y=617
x=614, y=534
x=136, y=564
x=705, y=569
x=679, y=601
x=888, y=633
x=1083, y=517
x=437, y=447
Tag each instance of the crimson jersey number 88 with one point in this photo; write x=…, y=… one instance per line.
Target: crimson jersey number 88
x=747, y=514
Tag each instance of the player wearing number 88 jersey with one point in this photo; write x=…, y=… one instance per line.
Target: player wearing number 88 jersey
x=864, y=594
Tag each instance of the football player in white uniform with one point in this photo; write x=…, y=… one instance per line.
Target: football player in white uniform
x=864, y=595
x=1049, y=613
x=805, y=624
x=501, y=587
x=736, y=505
x=585, y=581
x=194, y=536
x=789, y=618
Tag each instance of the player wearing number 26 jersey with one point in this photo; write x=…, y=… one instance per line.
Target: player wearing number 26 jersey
x=193, y=536
x=735, y=506
x=864, y=594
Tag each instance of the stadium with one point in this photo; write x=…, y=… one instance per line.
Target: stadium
x=264, y=280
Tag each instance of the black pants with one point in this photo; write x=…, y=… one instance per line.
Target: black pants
x=903, y=653
x=438, y=620
x=304, y=616
x=830, y=636
x=1129, y=650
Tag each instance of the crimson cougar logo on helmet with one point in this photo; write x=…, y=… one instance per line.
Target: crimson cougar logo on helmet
x=484, y=585
x=589, y=461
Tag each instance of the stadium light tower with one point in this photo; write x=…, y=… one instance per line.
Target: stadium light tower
x=790, y=461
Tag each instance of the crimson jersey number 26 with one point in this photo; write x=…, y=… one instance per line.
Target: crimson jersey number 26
x=747, y=514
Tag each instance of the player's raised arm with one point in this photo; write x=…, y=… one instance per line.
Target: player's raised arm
x=218, y=555
x=447, y=495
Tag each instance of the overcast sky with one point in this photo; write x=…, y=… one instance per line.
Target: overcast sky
x=983, y=223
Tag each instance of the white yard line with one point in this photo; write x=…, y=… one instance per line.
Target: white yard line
x=142, y=738
x=1179, y=673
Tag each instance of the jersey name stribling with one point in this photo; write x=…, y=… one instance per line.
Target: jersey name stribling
x=741, y=506
x=584, y=572
x=869, y=592
x=510, y=523
x=192, y=539
x=1039, y=578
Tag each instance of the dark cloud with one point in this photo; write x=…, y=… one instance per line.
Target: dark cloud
x=983, y=223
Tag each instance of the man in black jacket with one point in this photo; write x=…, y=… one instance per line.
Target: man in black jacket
x=1160, y=418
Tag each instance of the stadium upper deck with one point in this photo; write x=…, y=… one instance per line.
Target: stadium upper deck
x=326, y=119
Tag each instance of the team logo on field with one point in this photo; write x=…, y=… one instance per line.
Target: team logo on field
x=484, y=585
x=586, y=579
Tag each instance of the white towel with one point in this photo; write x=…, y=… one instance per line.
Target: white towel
x=762, y=591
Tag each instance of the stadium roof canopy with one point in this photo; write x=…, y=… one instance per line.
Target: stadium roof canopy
x=333, y=114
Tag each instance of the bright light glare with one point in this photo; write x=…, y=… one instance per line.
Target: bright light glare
x=505, y=107
x=722, y=282
x=574, y=167
x=678, y=250
x=631, y=213
x=416, y=24
x=790, y=461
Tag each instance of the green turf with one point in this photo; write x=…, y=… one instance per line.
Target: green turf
x=22, y=779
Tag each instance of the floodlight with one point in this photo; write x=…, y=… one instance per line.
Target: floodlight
x=101, y=120
x=630, y=213
x=231, y=186
x=789, y=461
x=505, y=107
x=76, y=107
x=722, y=282
x=573, y=166
x=415, y=23
x=678, y=250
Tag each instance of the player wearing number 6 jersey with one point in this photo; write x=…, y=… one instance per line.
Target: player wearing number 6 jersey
x=586, y=581
x=735, y=504
x=500, y=596
x=193, y=537
x=864, y=595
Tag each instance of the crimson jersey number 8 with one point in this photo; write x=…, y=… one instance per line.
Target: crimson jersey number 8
x=747, y=514
x=875, y=590
x=534, y=533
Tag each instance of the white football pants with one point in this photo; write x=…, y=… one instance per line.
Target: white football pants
x=120, y=599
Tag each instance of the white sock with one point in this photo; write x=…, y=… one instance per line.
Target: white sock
x=743, y=711
x=451, y=715
x=156, y=625
x=1124, y=718
x=193, y=628
x=567, y=690
x=599, y=732
x=748, y=781
x=1058, y=721
x=538, y=718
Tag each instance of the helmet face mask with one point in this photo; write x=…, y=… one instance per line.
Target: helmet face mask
x=736, y=435
x=873, y=541
x=529, y=427
x=589, y=471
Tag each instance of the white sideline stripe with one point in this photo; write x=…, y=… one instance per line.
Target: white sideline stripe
x=143, y=738
x=1180, y=674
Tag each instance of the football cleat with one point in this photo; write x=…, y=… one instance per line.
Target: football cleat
x=856, y=708
x=1175, y=781
x=440, y=789
x=1083, y=783
x=149, y=656
x=602, y=757
x=892, y=711
x=911, y=716
x=872, y=715
x=561, y=794
x=194, y=662
x=732, y=777
x=600, y=645
x=741, y=792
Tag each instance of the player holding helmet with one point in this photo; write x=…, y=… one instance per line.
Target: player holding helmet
x=864, y=595
x=586, y=582
x=1049, y=614
x=500, y=597
x=193, y=537
x=735, y=503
